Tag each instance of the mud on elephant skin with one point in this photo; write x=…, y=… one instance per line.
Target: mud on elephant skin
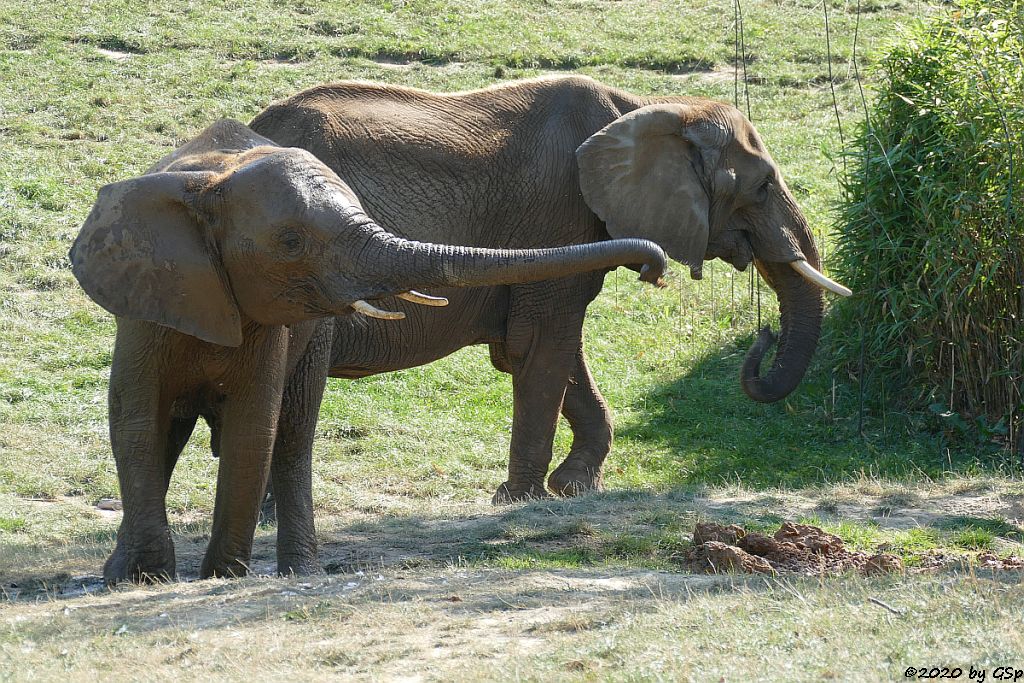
x=226, y=266
x=562, y=160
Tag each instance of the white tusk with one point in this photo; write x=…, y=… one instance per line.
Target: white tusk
x=423, y=299
x=373, y=312
x=814, y=277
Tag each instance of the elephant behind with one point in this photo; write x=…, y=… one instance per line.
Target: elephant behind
x=562, y=160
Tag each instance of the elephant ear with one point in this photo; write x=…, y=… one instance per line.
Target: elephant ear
x=143, y=253
x=640, y=175
x=222, y=135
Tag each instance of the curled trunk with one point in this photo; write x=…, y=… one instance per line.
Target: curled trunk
x=801, y=308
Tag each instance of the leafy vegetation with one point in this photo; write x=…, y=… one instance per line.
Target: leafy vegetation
x=931, y=234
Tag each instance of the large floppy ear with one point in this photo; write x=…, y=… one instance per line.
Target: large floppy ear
x=143, y=253
x=640, y=175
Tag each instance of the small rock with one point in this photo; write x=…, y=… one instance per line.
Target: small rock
x=111, y=504
x=990, y=560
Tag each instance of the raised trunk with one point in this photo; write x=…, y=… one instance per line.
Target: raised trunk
x=410, y=265
x=801, y=307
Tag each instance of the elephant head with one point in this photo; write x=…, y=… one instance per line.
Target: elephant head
x=695, y=177
x=231, y=227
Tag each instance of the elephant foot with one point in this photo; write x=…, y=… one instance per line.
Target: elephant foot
x=225, y=560
x=223, y=568
x=573, y=477
x=140, y=565
x=295, y=565
x=509, y=493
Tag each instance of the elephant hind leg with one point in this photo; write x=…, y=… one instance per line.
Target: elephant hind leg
x=540, y=370
x=177, y=436
x=213, y=420
x=590, y=420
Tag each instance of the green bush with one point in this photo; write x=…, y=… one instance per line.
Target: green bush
x=931, y=240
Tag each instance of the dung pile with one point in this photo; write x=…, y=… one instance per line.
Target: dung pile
x=795, y=548
x=989, y=560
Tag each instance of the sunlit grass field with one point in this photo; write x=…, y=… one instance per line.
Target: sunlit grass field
x=94, y=92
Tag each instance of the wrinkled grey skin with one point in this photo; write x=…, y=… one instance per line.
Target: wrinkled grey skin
x=554, y=161
x=227, y=266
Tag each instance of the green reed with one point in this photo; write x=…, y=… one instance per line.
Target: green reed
x=930, y=237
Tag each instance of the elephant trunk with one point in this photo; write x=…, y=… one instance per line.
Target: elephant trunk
x=801, y=308
x=413, y=264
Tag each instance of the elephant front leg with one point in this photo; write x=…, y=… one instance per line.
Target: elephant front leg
x=139, y=426
x=591, y=422
x=246, y=443
x=292, y=466
x=249, y=426
x=538, y=385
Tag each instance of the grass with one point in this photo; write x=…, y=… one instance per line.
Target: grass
x=94, y=92
x=930, y=221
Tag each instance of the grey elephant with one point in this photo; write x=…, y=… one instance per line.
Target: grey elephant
x=562, y=160
x=227, y=266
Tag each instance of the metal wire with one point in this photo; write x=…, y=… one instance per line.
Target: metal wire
x=863, y=332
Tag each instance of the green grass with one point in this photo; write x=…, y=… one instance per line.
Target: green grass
x=12, y=524
x=95, y=92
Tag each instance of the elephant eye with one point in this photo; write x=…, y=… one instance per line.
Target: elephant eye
x=765, y=188
x=291, y=242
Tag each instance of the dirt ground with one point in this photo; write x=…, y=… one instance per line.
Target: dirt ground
x=466, y=591
x=390, y=531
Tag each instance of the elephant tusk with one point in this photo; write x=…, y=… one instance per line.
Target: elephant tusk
x=423, y=299
x=374, y=312
x=814, y=277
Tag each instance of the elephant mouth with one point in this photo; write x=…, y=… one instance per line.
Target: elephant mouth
x=734, y=248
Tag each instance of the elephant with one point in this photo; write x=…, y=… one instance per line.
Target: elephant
x=227, y=266
x=557, y=160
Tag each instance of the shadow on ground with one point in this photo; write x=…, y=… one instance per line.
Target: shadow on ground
x=705, y=430
x=612, y=532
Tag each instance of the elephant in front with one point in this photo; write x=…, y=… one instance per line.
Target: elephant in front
x=557, y=161
x=228, y=266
